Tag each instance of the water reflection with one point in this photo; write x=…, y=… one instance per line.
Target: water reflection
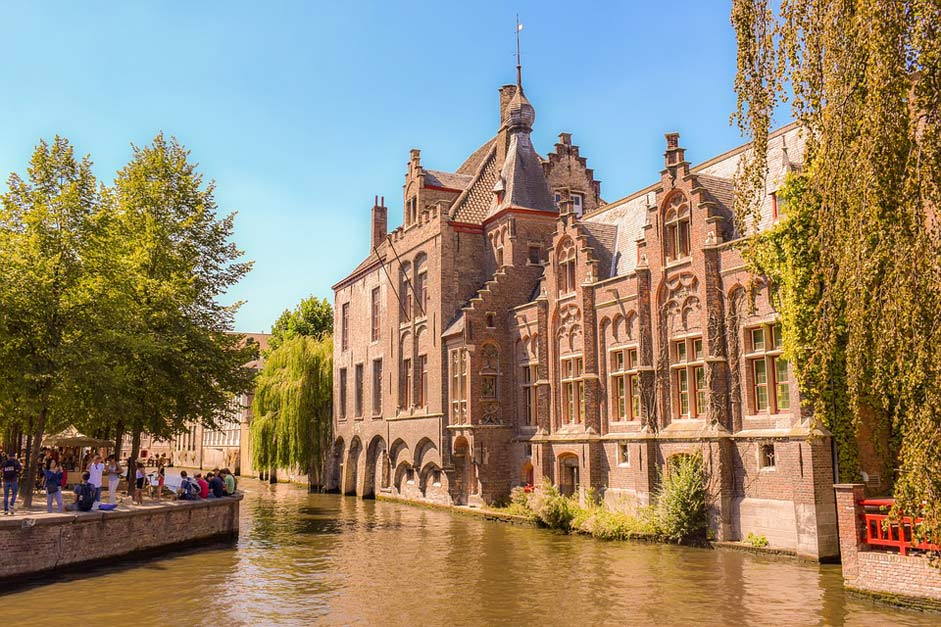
x=314, y=559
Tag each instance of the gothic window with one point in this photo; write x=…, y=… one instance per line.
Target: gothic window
x=689, y=377
x=566, y=262
x=358, y=395
x=625, y=384
x=770, y=384
x=341, y=408
x=421, y=284
x=405, y=289
x=345, y=326
x=377, y=387
x=528, y=376
x=573, y=390
x=405, y=392
x=676, y=228
x=375, y=313
x=422, y=381
x=459, y=385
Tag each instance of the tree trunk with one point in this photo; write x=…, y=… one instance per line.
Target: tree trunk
x=132, y=460
x=118, y=440
x=29, y=481
x=273, y=476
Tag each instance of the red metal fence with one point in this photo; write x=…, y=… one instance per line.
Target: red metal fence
x=896, y=534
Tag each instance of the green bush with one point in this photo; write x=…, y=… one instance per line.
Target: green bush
x=681, y=501
x=759, y=542
x=554, y=510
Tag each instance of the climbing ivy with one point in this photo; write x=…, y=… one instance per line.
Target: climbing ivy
x=857, y=263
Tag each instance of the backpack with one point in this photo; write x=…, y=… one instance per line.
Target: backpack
x=86, y=496
x=190, y=490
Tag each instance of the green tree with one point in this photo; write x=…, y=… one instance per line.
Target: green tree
x=53, y=301
x=862, y=294
x=293, y=407
x=180, y=362
x=312, y=317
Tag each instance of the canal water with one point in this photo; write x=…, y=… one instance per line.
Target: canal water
x=328, y=560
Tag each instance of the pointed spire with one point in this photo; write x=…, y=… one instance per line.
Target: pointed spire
x=519, y=66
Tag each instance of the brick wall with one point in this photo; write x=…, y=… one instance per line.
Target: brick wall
x=909, y=578
x=62, y=541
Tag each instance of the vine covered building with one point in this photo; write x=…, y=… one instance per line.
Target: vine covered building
x=517, y=329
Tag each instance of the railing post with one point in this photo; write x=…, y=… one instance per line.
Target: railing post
x=851, y=524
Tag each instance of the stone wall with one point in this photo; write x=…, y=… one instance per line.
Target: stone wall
x=904, y=579
x=31, y=546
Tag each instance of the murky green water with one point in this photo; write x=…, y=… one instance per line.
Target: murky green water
x=322, y=559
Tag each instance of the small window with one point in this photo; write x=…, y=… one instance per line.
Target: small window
x=577, y=204
x=624, y=454
x=617, y=364
x=490, y=321
x=777, y=341
x=632, y=362
x=534, y=254
x=410, y=475
x=697, y=349
x=758, y=339
x=436, y=478
x=766, y=459
x=679, y=350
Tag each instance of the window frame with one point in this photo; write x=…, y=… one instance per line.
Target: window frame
x=341, y=406
x=358, y=384
x=573, y=389
x=689, y=401
x=624, y=383
x=377, y=387
x=376, y=311
x=766, y=356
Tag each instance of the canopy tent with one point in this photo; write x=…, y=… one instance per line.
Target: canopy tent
x=71, y=437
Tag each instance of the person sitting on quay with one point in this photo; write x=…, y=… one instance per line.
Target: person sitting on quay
x=203, y=486
x=216, y=485
x=230, y=484
x=85, y=494
x=11, y=469
x=53, y=475
x=95, y=471
x=189, y=489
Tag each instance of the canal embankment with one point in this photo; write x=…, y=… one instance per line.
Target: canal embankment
x=33, y=544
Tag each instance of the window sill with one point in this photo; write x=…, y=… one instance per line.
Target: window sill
x=676, y=263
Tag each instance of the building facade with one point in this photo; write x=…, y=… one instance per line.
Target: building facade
x=517, y=329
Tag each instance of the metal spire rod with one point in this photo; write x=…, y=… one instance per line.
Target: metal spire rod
x=519, y=67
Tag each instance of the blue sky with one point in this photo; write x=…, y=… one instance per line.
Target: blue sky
x=303, y=111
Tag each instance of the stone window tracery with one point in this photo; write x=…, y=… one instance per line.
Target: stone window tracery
x=566, y=264
x=676, y=228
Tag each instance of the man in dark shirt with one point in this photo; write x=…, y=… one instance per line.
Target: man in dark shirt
x=85, y=494
x=11, y=469
x=216, y=487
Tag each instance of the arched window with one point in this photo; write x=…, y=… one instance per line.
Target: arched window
x=405, y=289
x=421, y=284
x=676, y=228
x=566, y=261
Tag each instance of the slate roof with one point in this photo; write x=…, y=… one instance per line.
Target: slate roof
x=722, y=192
x=449, y=180
x=522, y=179
x=472, y=163
x=602, y=237
x=628, y=217
x=456, y=327
x=472, y=205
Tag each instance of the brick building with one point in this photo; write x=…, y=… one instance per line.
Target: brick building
x=516, y=329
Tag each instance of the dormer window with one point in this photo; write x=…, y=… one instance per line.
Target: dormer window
x=676, y=228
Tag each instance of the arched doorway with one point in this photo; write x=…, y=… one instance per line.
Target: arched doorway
x=568, y=474
x=336, y=466
x=376, y=466
x=352, y=467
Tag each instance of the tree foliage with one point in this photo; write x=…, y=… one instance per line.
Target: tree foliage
x=293, y=406
x=859, y=260
x=312, y=317
x=53, y=246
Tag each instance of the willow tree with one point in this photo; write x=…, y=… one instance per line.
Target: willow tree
x=293, y=407
x=858, y=263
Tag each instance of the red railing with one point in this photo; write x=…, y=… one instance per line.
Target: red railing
x=895, y=534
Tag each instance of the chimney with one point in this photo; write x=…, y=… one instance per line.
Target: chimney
x=380, y=217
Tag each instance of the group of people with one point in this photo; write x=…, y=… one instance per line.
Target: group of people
x=215, y=485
